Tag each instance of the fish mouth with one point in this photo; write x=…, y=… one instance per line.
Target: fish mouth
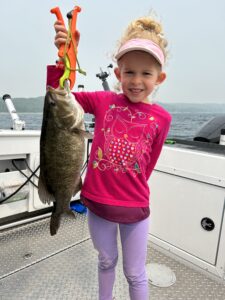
x=57, y=91
x=54, y=93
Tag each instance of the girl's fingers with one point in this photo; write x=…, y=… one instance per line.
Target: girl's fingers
x=61, y=34
x=60, y=41
x=59, y=27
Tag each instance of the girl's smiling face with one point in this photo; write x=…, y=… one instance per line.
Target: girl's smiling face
x=138, y=73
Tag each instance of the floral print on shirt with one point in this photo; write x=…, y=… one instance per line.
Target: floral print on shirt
x=128, y=137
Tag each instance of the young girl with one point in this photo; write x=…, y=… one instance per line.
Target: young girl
x=129, y=134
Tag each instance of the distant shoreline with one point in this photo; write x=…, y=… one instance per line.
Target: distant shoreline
x=35, y=105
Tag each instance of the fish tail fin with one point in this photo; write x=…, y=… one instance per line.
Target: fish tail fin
x=55, y=220
x=54, y=223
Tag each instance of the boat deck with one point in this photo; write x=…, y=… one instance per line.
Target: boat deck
x=211, y=148
x=35, y=265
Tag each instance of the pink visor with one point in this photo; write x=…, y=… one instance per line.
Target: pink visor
x=142, y=45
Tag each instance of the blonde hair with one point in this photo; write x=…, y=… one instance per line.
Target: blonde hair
x=145, y=28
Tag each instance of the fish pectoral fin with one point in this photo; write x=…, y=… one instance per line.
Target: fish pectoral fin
x=71, y=213
x=43, y=193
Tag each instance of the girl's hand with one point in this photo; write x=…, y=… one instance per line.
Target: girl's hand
x=61, y=34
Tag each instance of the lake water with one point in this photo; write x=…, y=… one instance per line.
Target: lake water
x=184, y=124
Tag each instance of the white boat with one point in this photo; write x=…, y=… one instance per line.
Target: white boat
x=186, y=233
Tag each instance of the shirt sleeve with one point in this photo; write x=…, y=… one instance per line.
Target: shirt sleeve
x=93, y=102
x=158, y=144
x=88, y=100
x=53, y=76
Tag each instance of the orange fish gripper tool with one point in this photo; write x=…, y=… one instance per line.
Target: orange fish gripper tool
x=68, y=51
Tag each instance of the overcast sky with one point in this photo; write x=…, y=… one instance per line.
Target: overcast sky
x=195, y=30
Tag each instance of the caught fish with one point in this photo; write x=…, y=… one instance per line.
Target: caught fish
x=62, y=148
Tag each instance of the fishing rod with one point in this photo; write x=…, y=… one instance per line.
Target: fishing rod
x=103, y=76
x=17, y=123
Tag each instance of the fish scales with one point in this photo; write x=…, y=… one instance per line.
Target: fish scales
x=62, y=149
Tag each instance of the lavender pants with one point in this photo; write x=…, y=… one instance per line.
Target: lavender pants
x=134, y=248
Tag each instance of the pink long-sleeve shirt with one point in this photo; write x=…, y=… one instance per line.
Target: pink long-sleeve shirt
x=128, y=139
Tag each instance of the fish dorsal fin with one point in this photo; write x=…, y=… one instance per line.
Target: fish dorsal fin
x=43, y=193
